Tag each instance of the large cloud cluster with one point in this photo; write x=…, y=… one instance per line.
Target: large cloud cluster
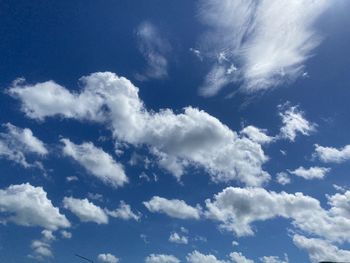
x=190, y=138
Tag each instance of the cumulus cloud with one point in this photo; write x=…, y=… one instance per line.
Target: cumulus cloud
x=178, y=140
x=294, y=123
x=321, y=250
x=311, y=173
x=238, y=257
x=340, y=204
x=268, y=41
x=235, y=257
x=238, y=208
x=27, y=205
x=66, y=234
x=16, y=143
x=274, y=259
x=107, y=258
x=124, y=212
x=331, y=154
x=161, y=258
x=283, y=178
x=197, y=257
x=257, y=135
x=97, y=162
x=173, y=208
x=154, y=49
x=177, y=238
x=41, y=250
x=85, y=210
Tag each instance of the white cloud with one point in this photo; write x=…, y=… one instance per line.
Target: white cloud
x=16, y=143
x=41, y=250
x=257, y=135
x=235, y=257
x=190, y=138
x=311, y=173
x=274, y=259
x=340, y=204
x=238, y=257
x=161, y=258
x=294, y=122
x=238, y=208
x=96, y=162
x=95, y=196
x=268, y=40
x=72, y=178
x=48, y=235
x=124, y=212
x=197, y=257
x=283, y=178
x=340, y=188
x=27, y=205
x=85, y=210
x=66, y=234
x=154, y=49
x=177, y=238
x=107, y=258
x=321, y=250
x=331, y=154
x=173, y=208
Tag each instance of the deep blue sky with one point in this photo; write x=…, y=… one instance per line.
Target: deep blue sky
x=65, y=40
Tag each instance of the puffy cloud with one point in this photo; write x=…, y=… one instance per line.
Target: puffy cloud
x=283, y=178
x=197, y=257
x=16, y=143
x=321, y=250
x=48, y=235
x=268, y=41
x=294, y=122
x=238, y=257
x=235, y=257
x=41, y=250
x=154, y=49
x=96, y=162
x=340, y=204
x=257, y=135
x=178, y=140
x=124, y=212
x=85, y=210
x=27, y=205
x=331, y=154
x=173, y=208
x=66, y=234
x=48, y=99
x=311, y=173
x=274, y=259
x=238, y=208
x=72, y=178
x=107, y=258
x=176, y=238
x=161, y=258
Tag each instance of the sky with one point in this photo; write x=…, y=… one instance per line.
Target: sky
x=204, y=131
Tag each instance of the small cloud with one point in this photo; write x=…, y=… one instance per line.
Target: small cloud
x=154, y=49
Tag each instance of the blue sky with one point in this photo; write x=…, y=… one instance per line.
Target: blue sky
x=174, y=131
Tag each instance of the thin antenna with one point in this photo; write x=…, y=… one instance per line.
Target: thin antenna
x=84, y=258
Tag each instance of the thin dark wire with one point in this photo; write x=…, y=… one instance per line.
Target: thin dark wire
x=84, y=258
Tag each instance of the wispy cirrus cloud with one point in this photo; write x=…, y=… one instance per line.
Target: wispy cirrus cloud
x=154, y=48
x=267, y=41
